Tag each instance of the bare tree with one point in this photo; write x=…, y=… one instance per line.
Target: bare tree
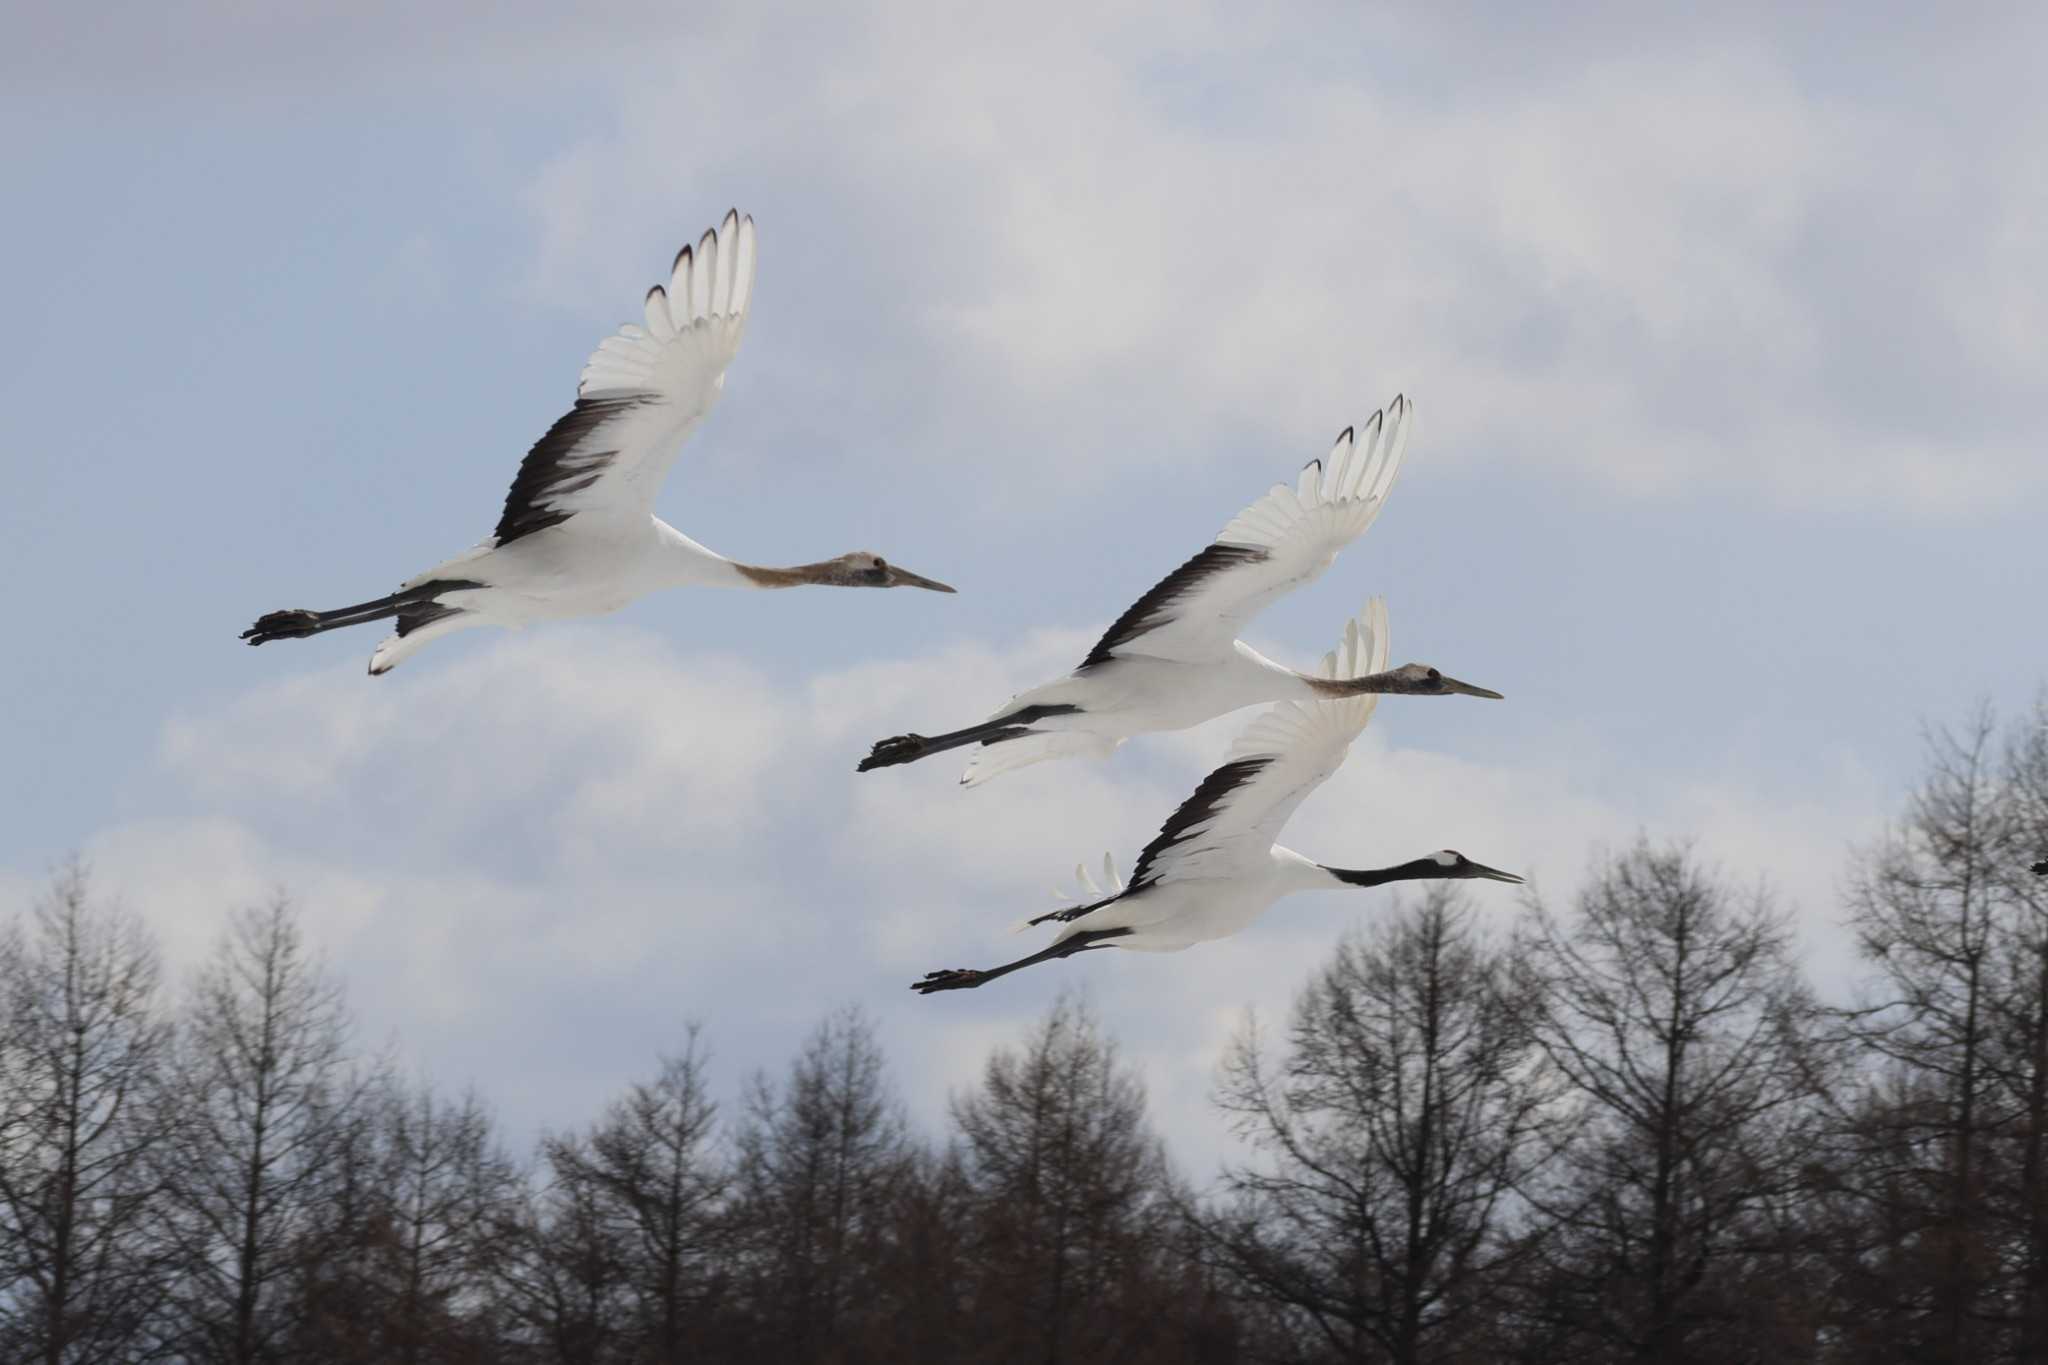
x=84, y=1038
x=1930, y=912
x=1672, y=1006
x=651, y=1169
x=450, y=1190
x=1410, y=1107
x=2017, y=1055
x=1070, y=1192
x=820, y=1158
x=341, y=1298
x=256, y=1105
x=562, y=1276
x=923, y=1310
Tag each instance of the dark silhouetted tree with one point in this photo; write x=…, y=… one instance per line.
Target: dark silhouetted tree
x=652, y=1172
x=450, y=1192
x=82, y=1041
x=1410, y=1106
x=562, y=1279
x=1926, y=906
x=1071, y=1199
x=1672, y=1006
x=820, y=1158
x=257, y=1106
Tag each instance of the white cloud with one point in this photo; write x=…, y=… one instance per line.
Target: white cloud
x=1605, y=266
x=530, y=879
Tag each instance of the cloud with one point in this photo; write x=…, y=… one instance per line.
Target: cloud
x=1656, y=268
x=531, y=882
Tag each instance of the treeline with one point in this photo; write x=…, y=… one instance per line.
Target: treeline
x=1623, y=1130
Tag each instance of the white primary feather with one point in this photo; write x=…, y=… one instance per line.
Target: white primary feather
x=1299, y=531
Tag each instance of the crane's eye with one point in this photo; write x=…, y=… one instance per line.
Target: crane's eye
x=1435, y=675
x=881, y=563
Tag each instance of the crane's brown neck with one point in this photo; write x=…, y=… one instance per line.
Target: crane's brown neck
x=830, y=572
x=1422, y=869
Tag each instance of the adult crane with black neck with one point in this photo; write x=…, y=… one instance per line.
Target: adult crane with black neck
x=578, y=535
x=1214, y=867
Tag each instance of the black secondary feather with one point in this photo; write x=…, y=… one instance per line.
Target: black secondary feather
x=1156, y=607
x=1196, y=812
x=556, y=467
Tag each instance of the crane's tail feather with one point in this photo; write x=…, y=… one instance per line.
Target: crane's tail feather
x=1034, y=746
x=418, y=627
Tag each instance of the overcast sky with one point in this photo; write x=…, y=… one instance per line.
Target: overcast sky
x=1728, y=336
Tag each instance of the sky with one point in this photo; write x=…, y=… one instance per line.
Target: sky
x=1727, y=331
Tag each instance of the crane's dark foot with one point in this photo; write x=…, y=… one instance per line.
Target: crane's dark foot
x=294, y=624
x=896, y=749
x=2041, y=868
x=952, y=979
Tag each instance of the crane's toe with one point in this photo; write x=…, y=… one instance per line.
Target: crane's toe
x=951, y=979
x=294, y=623
x=895, y=749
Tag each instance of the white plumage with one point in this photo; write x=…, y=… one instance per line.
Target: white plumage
x=1215, y=867
x=578, y=535
x=1173, y=659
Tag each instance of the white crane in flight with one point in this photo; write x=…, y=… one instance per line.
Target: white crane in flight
x=578, y=536
x=1213, y=867
x=1174, y=659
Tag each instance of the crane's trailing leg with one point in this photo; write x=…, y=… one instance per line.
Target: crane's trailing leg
x=297, y=623
x=909, y=748
x=967, y=978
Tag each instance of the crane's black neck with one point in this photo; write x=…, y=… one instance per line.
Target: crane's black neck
x=1421, y=869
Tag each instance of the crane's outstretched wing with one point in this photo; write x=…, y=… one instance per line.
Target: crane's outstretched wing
x=641, y=392
x=1227, y=827
x=1278, y=543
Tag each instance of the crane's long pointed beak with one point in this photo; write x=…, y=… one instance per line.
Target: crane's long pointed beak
x=1465, y=689
x=1494, y=874
x=904, y=578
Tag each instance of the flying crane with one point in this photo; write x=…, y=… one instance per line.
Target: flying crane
x=578, y=535
x=1173, y=659
x=1214, y=867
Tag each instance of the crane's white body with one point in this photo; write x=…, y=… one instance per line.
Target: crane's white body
x=594, y=482
x=1191, y=912
x=1215, y=867
x=1135, y=694
x=578, y=535
x=560, y=573
x=1173, y=660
